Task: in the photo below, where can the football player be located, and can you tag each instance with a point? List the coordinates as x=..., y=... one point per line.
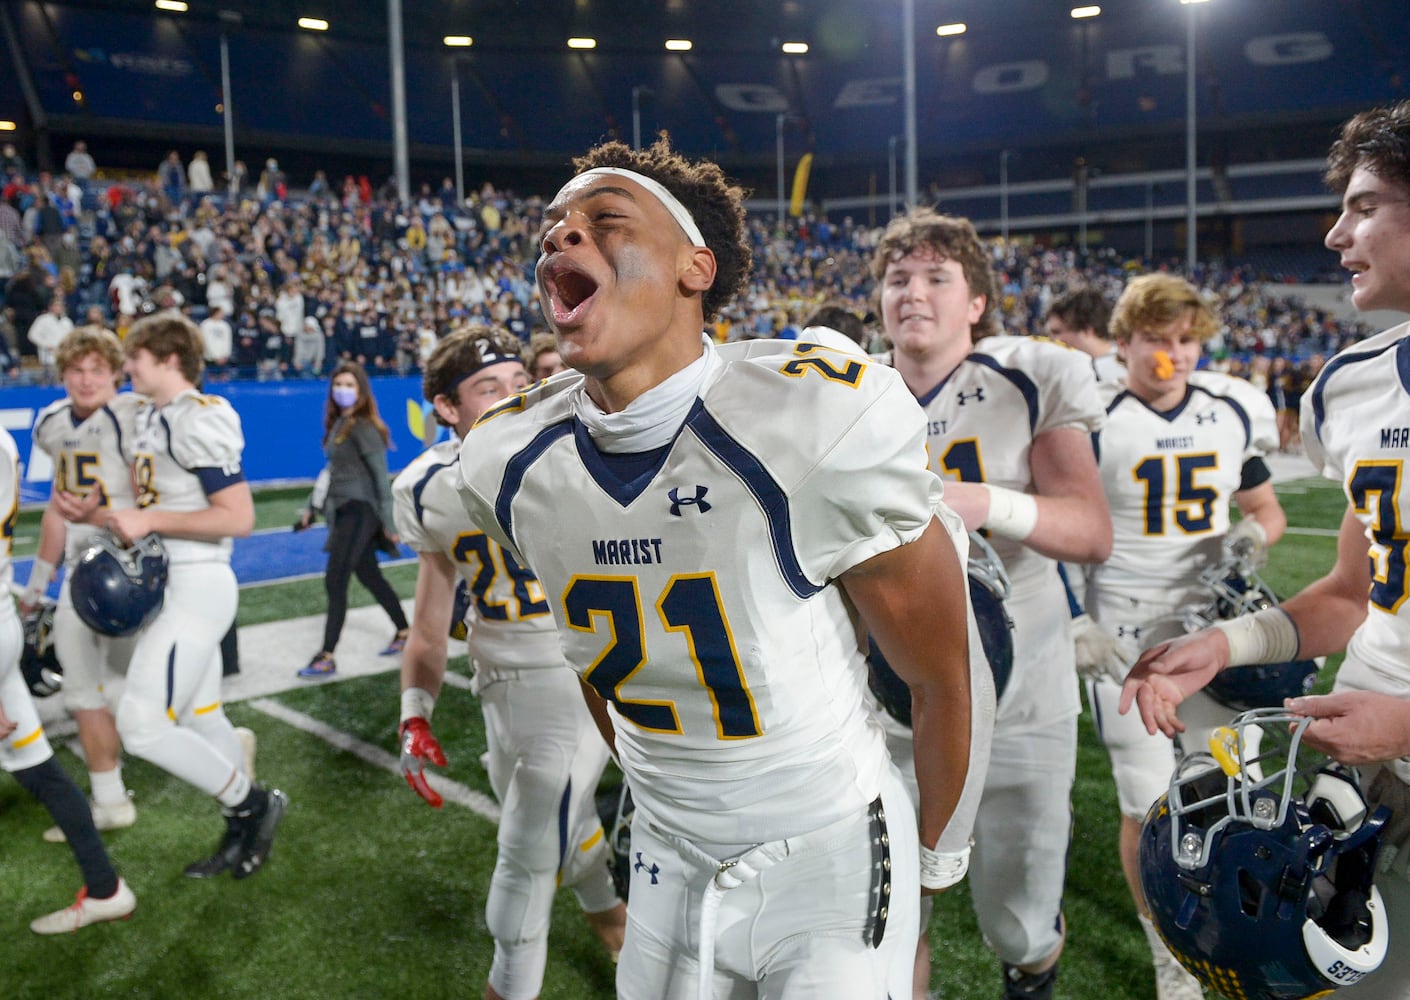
x=702, y=520
x=1172, y=456
x=1354, y=427
x=1009, y=425
x=84, y=434
x=191, y=492
x=1079, y=319
x=545, y=753
x=25, y=751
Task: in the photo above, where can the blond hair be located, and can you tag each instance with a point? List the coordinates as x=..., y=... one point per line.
x=1153, y=301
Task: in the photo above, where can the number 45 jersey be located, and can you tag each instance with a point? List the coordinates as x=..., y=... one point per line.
x=696, y=591
x=1356, y=430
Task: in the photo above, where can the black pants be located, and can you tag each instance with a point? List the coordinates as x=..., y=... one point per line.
x=352, y=549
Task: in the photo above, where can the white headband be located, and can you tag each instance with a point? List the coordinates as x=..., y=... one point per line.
x=672, y=204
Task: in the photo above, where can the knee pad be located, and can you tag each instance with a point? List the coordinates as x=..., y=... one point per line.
x=519, y=902
x=140, y=723
x=517, y=970
x=82, y=660
x=1142, y=774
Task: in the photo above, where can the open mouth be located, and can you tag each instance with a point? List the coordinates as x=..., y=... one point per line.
x=569, y=291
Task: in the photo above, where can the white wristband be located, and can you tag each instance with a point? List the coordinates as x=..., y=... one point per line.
x=942, y=869
x=1267, y=636
x=417, y=703
x=39, y=576
x=1012, y=514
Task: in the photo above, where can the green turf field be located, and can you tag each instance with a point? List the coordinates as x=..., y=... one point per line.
x=371, y=894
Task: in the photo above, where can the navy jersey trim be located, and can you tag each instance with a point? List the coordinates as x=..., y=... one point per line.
x=214, y=479
x=1255, y=473
x=1319, y=390
x=518, y=467
x=773, y=502
x=1020, y=381
x=421, y=485
x=624, y=476
x=117, y=428
x=1402, y=362
x=1238, y=409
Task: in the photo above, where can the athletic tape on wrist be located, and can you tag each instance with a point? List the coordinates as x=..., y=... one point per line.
x=39, y=576
x=417, y=703
x=942, y=869
x=1267, y=636
x=1012, y=514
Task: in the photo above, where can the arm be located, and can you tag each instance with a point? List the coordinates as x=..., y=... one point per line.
x=1261, y=504
x=53, y=530
x=423, y=670
x=1323, y=617
x=597, y=708
x=231, y=514
x=913, y=600
x=374, y=456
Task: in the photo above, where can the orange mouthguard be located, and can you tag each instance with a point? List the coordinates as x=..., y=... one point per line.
x=1164, y=367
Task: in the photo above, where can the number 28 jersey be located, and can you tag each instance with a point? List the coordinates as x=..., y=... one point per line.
x=510, y=622
x=1356, y=430
x=697, y=593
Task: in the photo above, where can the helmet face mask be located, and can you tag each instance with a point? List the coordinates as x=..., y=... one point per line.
x=988, y=589
x=117, y=590
x=1258, y=873
x=39, y=663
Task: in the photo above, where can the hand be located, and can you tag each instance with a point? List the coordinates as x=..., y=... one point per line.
x=418, y=745
x=1167, y=674
x=78, y=509
x=1356, y=727
x=305, y=520
x=130, y=524
x=1247, y=541
x=970, y=501
x=1100, y=655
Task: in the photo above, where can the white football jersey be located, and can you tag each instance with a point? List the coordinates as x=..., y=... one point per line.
x=983, y=419
x=90, y=454
x=510, y=622
x=694, y=587
x=183, y=452
x=9, y=510
x=1169, y=477
x=1356, y=429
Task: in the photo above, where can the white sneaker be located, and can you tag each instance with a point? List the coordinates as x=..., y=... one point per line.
x=106, y=816
x=1172, y=982
x=248, y=742
x=87, y=911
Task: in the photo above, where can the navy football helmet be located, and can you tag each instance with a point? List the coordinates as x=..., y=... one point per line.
x=988, y=589
x=118, y=589
x=38, y=662
x=1259, y=874
x=1235, y=589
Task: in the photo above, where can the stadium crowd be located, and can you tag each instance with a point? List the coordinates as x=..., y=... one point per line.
x=286, y=284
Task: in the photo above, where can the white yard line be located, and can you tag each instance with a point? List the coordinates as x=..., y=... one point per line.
x=451, y=791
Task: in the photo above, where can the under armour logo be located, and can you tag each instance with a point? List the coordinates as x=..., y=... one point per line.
x=641, y=866
x=977, y=395
x=697, y=501
x=1210, y=417
x=1128, y=631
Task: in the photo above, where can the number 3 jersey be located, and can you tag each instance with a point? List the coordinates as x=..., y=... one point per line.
x=510, y=622
x=1169, y=477
x=89, y=454
x=181, y=454
x=1356, y=430
x=694, y=586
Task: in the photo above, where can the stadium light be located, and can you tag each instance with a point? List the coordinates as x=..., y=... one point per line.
x=795, y=48
x=458, y=41
x=947, y=30
x=1091, y=10
x=679, y=45
x=582, y=43
x=313, y=24
x=176, y=6
x=1188, y=2
x=8, y=126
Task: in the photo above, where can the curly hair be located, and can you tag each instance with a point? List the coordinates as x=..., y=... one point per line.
x=1378, y=140
x=82, y=341
x=950, y=238
x=1152, y=301
x=701, y=186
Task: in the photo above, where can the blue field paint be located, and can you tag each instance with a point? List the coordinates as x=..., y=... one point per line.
x=263, y=557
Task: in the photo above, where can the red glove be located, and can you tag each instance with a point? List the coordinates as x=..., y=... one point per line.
x=417, y=745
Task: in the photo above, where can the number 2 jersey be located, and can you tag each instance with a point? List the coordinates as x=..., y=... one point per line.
x=983, y=419
x=90, y=454
x=1356, y=430
x=696, y=590
x=1169, y=477
x=182, y=453
x=510, y=622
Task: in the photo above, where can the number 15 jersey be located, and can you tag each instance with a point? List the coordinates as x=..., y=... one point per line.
x=696, y=592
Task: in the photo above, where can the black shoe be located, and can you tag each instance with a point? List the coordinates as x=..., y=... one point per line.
x=225, y=855
x=1020, y=985
x=258, y=834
